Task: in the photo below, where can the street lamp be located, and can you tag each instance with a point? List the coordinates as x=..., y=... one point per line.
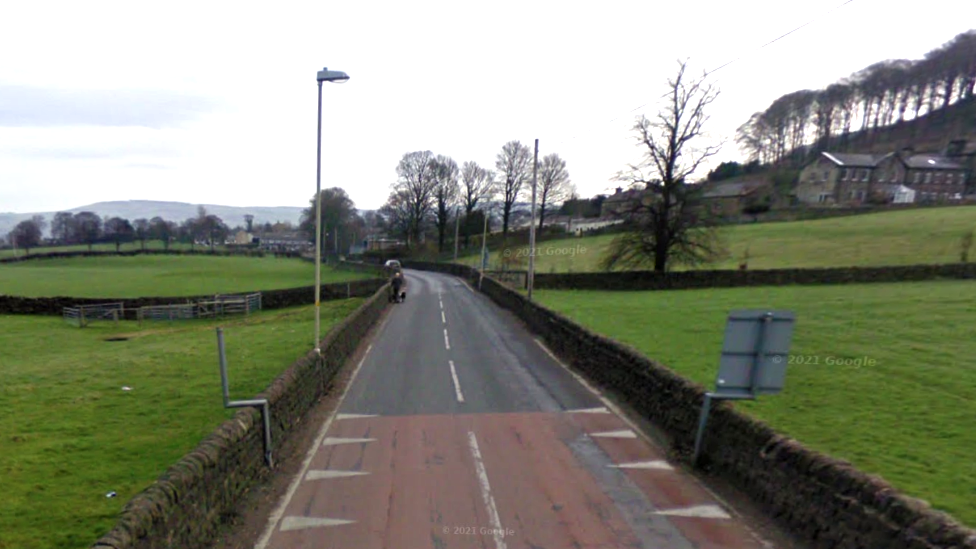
x=324, y=75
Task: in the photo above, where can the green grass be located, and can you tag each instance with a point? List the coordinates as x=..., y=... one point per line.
x=159, y=275
x=907, y=416
x=70, y=434
x=925, y=235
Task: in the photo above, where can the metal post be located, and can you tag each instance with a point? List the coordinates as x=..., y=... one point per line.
x=484, y=242
x=457, y=227
x=760, y=352
x=253, y=403
x=318, y=224
x=535, y=169
x=224, y=384
x=702, y=420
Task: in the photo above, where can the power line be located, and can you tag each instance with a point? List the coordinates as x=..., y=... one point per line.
x=707, y=73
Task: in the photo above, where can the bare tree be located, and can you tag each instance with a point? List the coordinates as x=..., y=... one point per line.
x=514, y=164
x=670, y=225
x=141, y=226
x=554, y=184
x=446, y=194
x=89, y=227
x=162, y=230
x=477, y=184
x=27, y=234
x=416, y=185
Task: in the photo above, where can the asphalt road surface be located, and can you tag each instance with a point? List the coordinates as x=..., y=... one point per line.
x=460, y=430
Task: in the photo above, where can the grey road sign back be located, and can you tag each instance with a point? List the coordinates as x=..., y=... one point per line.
x=755, y=352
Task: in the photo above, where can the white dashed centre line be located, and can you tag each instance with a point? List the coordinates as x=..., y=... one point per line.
x=443, y=318
x=447, y=342
x=457, y=384
x=496, y=524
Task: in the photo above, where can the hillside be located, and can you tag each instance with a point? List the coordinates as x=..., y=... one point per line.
x=928, y=133
x=919, y=235
x=172, y=211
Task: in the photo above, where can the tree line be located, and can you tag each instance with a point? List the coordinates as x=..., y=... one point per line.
x=433, y=192
x=88, y=228
x=882, y=94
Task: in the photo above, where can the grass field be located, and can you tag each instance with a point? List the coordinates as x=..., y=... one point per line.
x=71, y=434
x=159, y=276
x=907, y=416
x=930, y=235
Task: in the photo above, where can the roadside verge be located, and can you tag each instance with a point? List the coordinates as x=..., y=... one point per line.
x=188, y=504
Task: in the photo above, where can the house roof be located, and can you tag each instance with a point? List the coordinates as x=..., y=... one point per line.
x=627, y=195
x=895, y=188
x=931, y=162
x=730, y=190
x=855, y=160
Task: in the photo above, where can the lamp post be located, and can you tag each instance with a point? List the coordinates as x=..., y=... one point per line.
x=324, y=75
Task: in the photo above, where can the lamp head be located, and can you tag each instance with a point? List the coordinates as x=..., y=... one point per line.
x=325, y=75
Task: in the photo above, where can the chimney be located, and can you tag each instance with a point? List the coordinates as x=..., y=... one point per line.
x=618, y=191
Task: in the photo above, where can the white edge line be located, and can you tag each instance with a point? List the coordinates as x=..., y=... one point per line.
x=496, y=524
x=617, y=412
x=457, y=384
x=276, y=516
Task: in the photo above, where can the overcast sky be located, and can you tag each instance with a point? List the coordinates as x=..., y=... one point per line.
x=213, y=102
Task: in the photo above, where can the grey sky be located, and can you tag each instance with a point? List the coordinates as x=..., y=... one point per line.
x=215, y=102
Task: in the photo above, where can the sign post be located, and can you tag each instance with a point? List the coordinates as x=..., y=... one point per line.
x=754, y=358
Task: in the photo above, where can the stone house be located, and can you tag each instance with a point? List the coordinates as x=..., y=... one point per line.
x=838, y=178
x=933, y=177
x=728, y=199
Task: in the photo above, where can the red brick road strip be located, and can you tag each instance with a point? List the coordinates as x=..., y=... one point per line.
x=500, y=481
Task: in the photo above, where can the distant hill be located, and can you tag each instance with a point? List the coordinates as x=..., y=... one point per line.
x=172, y=211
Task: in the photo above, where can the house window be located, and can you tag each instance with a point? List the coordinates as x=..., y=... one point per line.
x=917, y=177
x=826, y=174
x=928, y=177
x=843, y=174
x=823, y=197
x=864, y=175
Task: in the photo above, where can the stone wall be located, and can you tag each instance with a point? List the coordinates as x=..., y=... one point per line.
x=129, y=253
x=678, y=280
x=820, y=499
x=270, y=299
x=186, y=506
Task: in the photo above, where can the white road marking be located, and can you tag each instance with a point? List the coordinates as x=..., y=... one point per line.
x=699, y=511
x=443, y=318
x=301, y=523
x=317, y=474
x=457, y=384
x=600, y=410
x=619, y=413
x=332, y=441
x=442, y=304
x=656, y=464
x=496, y=524
x=447, y=342
x=354, y=416
x=624, y=433
x=275, y=517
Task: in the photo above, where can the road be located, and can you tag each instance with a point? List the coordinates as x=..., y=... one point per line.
x=460, y=430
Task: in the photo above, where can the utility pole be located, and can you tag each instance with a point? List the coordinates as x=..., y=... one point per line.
x=535, y=171
x=457, y=227
x=484, y=242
